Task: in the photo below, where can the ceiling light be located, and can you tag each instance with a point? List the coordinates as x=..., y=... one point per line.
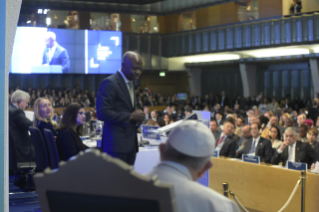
x=45, y=11
x=211, y=58
x=278, y=52
x=48, y=21
x=28, y=22
x=39, y=11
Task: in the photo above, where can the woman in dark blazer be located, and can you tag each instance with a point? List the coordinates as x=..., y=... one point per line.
x=43, y=113
x=68, y=141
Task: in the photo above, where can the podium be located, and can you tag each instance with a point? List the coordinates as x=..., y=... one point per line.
x=50, y=69
x=263, y=187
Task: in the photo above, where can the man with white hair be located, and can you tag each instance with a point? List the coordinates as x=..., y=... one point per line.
x=294, y=151
x=185, y=157
x=19, y=126
x=54, y=54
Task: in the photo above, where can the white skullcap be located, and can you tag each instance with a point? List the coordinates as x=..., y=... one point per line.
x=192, y=138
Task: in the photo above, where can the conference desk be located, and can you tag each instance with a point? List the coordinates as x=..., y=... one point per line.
x=263, y=187
x=258, y=187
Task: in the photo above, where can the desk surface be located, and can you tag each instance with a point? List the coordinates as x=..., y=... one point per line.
x=262, y=187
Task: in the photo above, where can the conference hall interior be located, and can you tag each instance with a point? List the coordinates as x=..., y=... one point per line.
x=159, y=106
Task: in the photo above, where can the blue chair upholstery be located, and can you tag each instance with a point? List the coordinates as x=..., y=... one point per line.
x=41, y=153
x=53, y=153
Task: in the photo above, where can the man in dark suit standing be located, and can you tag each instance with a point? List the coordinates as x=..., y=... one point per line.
x=54, y=54
x=116, y=106
x=294, y=151
x=257, y=145
x=226, y=144
x=19, y=126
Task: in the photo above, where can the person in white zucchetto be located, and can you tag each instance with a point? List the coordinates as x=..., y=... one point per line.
x=185, y=157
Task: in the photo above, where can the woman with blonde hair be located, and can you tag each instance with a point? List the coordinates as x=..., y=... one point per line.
x=43, y=113
x=284, y=119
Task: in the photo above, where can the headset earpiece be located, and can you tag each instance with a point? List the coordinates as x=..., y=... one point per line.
x=19, y=101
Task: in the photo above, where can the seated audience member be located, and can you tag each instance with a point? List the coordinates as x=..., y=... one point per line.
x=309, y=123
x=226, y=144
x=43, y=113
x=183, y=162
x=300, y=119
x=275, y=139
x=188, y=111
x=264, y=128
x=273, y=122
x=313, y=112
x=312, y=137
x=240, y=122
x=161, y=122
x=250, y=113
x=219, y=119
x=257, y=145
x=151, y=122
x=215, y=129
x=244, y=138
x=154, y=115
x=253, y=119
x=147, y=114
x=19, y=126
x=302, y=133
x=167, y=119
x=294, y=151
x=68, y=141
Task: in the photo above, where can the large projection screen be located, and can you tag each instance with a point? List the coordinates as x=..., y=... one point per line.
x=73, y=51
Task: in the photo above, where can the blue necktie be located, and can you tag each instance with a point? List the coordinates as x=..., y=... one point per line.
x=252, y=149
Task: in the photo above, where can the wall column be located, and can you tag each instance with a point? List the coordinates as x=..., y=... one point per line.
x=9, y=13
x=194, y=78
x=314, y=67
x=248, y=77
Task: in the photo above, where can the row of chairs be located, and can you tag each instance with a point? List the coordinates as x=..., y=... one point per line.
x=45, y=149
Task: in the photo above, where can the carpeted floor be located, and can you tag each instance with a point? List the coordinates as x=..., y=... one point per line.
x=20, y=201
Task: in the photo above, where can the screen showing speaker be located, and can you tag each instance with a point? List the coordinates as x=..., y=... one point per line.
x=44, y=50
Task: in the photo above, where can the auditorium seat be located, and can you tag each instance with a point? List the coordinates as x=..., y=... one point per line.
x=94, y=181
x=41, y=153
x=52, y=149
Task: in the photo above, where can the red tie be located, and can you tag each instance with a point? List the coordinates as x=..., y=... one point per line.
x=220, y=140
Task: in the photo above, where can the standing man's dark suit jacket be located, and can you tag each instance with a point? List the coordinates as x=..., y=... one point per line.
x=60, y=57
x=229, y=147
x=304, y=153
x=263, y=149
x=19, y=133
x=114, y=107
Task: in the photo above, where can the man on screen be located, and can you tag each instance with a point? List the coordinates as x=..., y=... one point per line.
x=54, y=54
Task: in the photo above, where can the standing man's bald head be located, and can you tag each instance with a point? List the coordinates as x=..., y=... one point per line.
x=50, y=39
x=132, y=65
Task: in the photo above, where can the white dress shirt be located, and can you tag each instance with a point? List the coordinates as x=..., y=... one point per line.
x=291, y=153
x=219, y=147
x=190, y=195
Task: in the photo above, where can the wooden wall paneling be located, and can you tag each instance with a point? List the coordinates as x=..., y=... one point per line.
x=126, y=23
x=270, y=8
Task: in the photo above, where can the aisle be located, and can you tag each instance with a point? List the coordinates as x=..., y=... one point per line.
x=28, y=203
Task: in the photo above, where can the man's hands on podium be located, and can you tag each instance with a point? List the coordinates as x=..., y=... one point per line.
x=138, y=116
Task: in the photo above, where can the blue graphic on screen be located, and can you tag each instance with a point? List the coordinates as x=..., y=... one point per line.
x=42, y=50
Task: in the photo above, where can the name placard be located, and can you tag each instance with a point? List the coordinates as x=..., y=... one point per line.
x=298, y=166
x=251, y=159
x=216, y=154
x=150, y=132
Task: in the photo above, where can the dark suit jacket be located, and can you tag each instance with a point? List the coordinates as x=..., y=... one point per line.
x=229, y=147
x=304, y=153
x=69, y=144
x=263, y=149
x=19, y=126
x=60, y=57
x=114, y=107
x=313, y=114
x=298, y=9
